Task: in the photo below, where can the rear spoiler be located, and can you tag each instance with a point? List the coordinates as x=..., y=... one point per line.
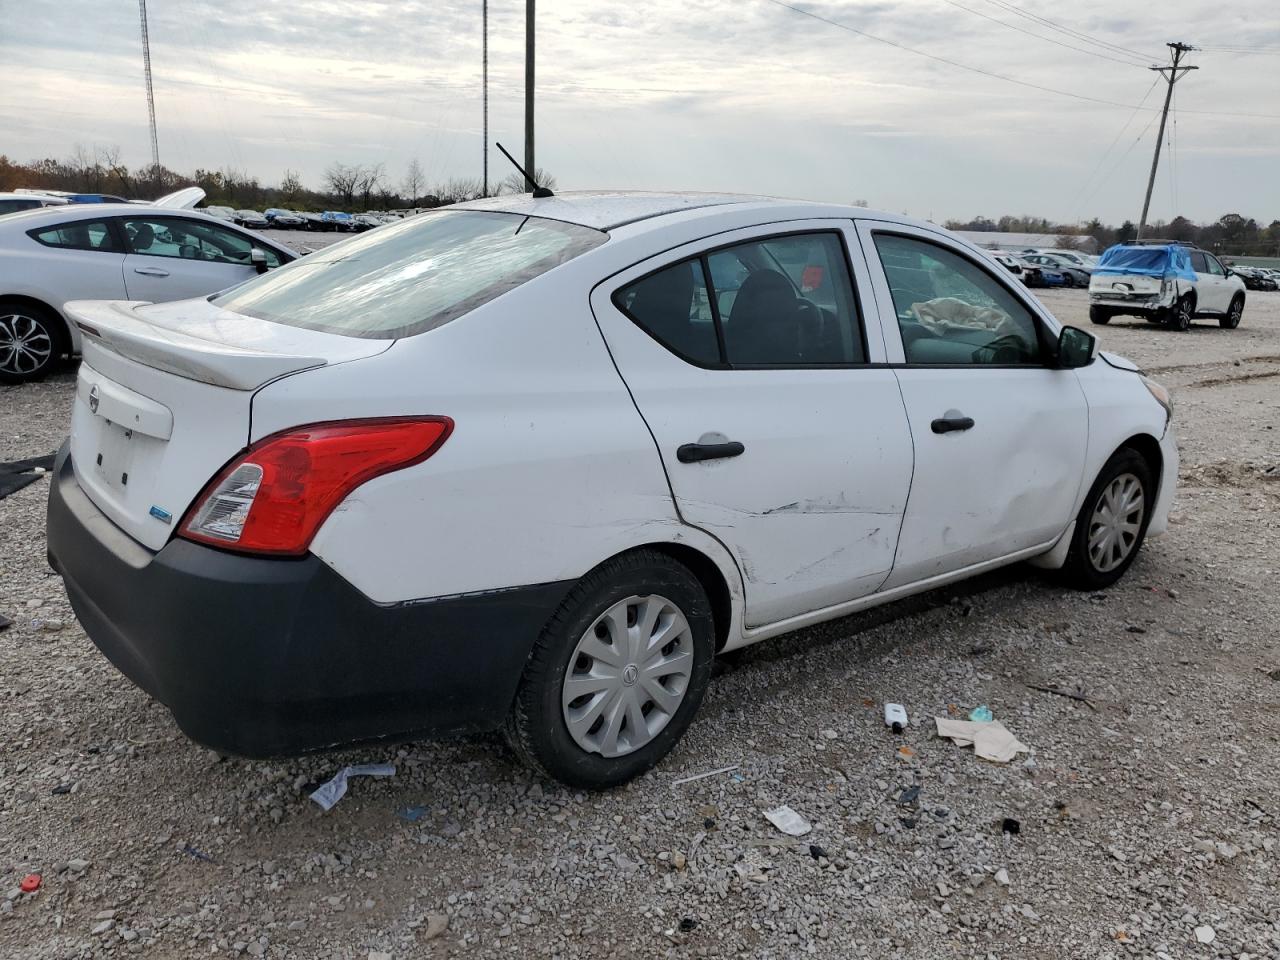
x=114, y=326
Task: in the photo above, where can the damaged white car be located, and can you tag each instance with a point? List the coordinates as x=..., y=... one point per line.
x=1165, y=282
x=530, y=464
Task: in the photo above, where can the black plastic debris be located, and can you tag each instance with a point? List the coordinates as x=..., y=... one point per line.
x=688, y=924
x=1011, y=827
x=709, y=823
x=16, y=475
x=909, y=795
x=908, y=822
x=817, y=852
x=5, y=622
x=61, y=789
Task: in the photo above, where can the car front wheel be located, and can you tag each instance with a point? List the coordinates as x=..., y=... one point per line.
x=1112, y=523
x=1234, y=313
x=30, y=342
x=616, y=675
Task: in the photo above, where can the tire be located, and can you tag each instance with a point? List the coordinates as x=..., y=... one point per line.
x=1099, y=315
x=1234, y=312
x=597, y=751
x=1095, y=560
x=32, y=340
x=1183, y=311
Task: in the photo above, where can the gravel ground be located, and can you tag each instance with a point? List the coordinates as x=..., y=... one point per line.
x=1146, y=814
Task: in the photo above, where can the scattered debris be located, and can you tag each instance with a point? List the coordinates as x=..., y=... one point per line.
x=1134, y=628
x=1078, y=694
x=981, y=714
x=909, y=795
x=1011, y=827
x=191, y=851
x=411, y=814
x=30, y=883
x=14, y=476
x=990, y=741
x=817, y=852
x=688, y=924
x=61, y=789
x=788, y=821
x=328, y=794
x=905, y=752
x=895, y=717
x=704, y=776
x=5, y=622
x=1206, y=934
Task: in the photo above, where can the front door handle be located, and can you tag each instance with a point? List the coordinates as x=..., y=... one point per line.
x=697, y=452
x=151, y=271
x=949, y=424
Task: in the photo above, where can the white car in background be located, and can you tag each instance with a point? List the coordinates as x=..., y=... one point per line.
x=145, y=252
x=15, y=202
x=532, y=463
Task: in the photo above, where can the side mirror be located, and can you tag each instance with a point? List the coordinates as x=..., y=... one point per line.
x=259, y=260
x=1076, y=348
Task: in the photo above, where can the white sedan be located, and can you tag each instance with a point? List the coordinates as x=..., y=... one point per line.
x=531, y=464
x=109, y=251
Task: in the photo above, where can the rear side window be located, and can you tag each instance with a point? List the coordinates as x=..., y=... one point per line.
x=782, y=301
x=13, y=205
x=1199, y=263
x=405, y=278
x=78, y=235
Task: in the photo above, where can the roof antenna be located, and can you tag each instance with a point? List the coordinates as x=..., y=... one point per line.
x=538, y=192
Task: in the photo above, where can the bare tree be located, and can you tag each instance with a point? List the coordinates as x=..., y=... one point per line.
x=414, y=182
x=516, y=183
x=369, y=181
x=341, y=180
x=290, y=187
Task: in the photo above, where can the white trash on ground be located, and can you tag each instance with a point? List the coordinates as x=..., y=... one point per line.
x=990, y=741
x=788, y=821
x=328, y=794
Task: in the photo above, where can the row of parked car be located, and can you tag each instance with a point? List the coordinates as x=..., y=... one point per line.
x=330, y=220
x=1257, y=278
x=1047, y=268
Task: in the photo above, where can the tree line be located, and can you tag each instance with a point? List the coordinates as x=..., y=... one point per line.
x=1231, y=234
x=350, y=187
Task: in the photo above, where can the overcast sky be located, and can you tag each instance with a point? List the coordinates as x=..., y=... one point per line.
x=738, y=95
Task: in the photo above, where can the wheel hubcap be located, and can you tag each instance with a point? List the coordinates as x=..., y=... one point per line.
x=25, y=344
x=628, y=675
x=1117, y=519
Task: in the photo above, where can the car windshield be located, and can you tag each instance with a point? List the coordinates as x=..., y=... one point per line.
x=411, y=276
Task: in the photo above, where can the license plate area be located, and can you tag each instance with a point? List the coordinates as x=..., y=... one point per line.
x=117, y=447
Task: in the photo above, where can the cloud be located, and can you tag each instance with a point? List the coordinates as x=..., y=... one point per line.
x=665, y=94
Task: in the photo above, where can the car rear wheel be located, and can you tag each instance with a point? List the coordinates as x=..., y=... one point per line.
x=1099, y=315
x=1180, y=319
x=31, y=341
x=1234, y=313
x=1112, y=523
x=616, y=675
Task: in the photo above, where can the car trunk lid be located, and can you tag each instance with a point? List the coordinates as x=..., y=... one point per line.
x=164, y=399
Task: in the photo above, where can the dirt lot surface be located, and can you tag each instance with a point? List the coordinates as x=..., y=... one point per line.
x=1149, y=817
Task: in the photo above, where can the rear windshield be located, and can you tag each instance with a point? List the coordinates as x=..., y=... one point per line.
x=1136, y=258
x=410, y=276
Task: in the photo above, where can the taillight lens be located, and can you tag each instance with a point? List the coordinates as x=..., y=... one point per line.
x=274, y=497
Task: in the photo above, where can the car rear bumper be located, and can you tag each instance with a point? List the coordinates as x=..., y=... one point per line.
x=268, y=657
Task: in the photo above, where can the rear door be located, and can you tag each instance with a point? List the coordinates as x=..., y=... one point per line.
x=747, y=356
x=999, y=434
x=173, y=257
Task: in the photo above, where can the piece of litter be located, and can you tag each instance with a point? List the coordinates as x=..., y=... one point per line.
x=990, y=741
x=5, y=622
x=905, y=752
x=909, y=796
x=1011, y=827
x=788, y=821
x=191, y=851
x=703, y=776
x=981, y=714
x=1206, y=934
x=817, y=852
x=328, y=794
x=895, y=717
x=412, y=814
x=30, y=883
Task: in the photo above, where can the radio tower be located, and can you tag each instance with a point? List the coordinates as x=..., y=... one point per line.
x=151, y=96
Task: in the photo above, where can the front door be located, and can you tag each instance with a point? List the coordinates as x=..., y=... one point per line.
x=999, y=433
x=748, y=360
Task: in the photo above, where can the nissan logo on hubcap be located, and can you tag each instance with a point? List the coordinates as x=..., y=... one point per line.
x=631, y=674
x=93, y=399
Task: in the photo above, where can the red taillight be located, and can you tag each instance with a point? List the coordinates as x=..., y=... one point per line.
x=274, y=497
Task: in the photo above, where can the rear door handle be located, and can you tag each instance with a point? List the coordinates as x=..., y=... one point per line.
x=151, y=271
x=949, y=424
x=697, y=452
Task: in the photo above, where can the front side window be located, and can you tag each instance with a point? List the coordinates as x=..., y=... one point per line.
x=776, y=302
x=79, y=235
x=191, y=240
x=412, y=276
x=1214, y=266
x=951, y=311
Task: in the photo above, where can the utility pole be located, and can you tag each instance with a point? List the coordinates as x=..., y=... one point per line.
x=530, y=169
x=1172, y=75
x=484, y=60
x=151, y=97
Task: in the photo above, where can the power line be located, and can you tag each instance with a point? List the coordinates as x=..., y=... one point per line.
x=1130, y=62
x=1172, y=74
x=1120, y=162
x=947, y=60
x=1107, y=153
x=1070, y=31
